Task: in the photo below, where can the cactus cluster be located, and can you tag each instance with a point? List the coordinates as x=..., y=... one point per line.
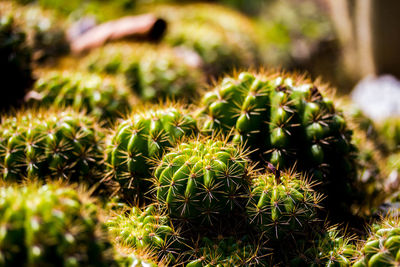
x=59, y=145
x=140, y=138
x=51, y=225
x=152, y=72
x=15, y=63
x=286, y=121
x=102, y=97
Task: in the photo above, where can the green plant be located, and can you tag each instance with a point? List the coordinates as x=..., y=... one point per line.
x=140, y=138
x=41, y=144
x=51, y=225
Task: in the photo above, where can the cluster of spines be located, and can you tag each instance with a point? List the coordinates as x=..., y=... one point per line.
x=282, y=204
x=202, y=180
x=59, y=145
x=141, y=138
x=51, y=225
x=148, y=230
x=92, y=93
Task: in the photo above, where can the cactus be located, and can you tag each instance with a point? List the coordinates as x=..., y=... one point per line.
x=225, y=252
x=382, y=248
x=40, y=144
x=328, y=248
x=202, y=181
x=146, y=230
x=282, y=204
x=286, y=121
x=98, y=96
x=140, y=138
x=152, y=72
x=51, y=225
x=15, y=63
x=133, y=260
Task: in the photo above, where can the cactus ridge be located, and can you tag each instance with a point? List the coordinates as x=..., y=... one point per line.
x=282, y=205
x=65, y=145
x=200, y=180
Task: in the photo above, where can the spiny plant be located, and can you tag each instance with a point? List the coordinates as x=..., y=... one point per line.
x=282, y=204
x=51, y=225
x=202, y=181
x=147, y=229
x=140, y=138
x=285, y=119
x=56, y=144
x=225, y=252
x=134, y=260
x=382, y=247
x=151, y=71
x=327, y=248
x=15, y=63
x=102, y=97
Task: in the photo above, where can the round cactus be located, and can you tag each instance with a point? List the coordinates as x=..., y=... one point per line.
x=65, y=145
x=200, y=181
x=15, y=63
x=382, y=248
x=51, y=226
x=282, y=204
x=329, y=248
x=142, y=137
x=98, y=96
x=286, y=122
x=224, y=252
x=146, y=230
x=153, y=72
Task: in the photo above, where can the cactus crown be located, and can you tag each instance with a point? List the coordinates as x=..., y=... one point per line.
x=202, y=179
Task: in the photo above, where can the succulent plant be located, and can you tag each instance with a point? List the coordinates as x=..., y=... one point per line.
x=382, y=247
x=152, y=72
x=41, y=144
x=286, y=121
x=140, y=138
x=15, y=63
x=101, y=97
x=328, y=248
x=282, y=204
x=225, y=252
x=146, y=229
x=51, y=225
x=133, y=260
x=201, y=181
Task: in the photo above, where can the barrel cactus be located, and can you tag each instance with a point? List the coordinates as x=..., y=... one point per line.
x=140, y=138
x=152, y=72
x=15, y=63
x=282, y=204
x=286, y=120
x=51, y=225
x=146, y=230
x=101, y=97
x=202, y=181
x=60, y=145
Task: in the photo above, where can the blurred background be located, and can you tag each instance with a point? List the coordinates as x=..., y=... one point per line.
x=342, y=42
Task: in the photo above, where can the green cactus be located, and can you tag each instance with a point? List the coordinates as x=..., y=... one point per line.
x=282, y=204
x=225, y=252
x=101, y=97
x=200, y=181
x=40, y=144
x=51, y=226
x=329, y=248
x=146, y=230
x=142, y=137
x=15, y=63
x=152, y=72
x=286, y=121
x=382, y=248
x=133, y=260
